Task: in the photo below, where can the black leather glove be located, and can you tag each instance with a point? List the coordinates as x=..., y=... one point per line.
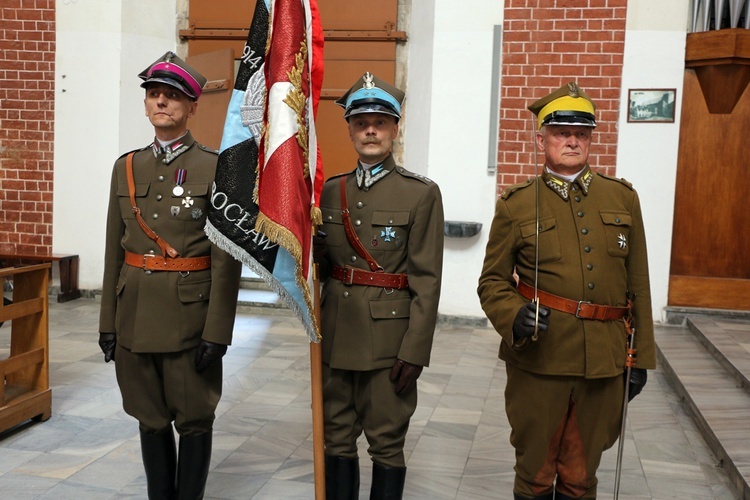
x=207, y=353
x=638, y=377
x=523, y=325
x=405, y=376
x=107, y=343
x=320, y=247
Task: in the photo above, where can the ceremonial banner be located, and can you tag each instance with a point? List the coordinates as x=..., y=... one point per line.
x=263, y=202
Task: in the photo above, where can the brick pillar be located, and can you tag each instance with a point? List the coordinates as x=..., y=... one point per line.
x=27, y=104
x=547, y=43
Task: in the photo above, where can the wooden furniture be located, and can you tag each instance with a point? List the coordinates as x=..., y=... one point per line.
x=24, y=375
x=67, y=265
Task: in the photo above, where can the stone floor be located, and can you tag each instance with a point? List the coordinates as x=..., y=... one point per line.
x=457, y=446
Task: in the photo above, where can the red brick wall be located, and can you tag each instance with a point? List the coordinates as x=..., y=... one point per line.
x=546, y=44
x=27, y=105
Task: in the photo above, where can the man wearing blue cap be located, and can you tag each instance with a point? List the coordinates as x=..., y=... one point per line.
x=574, y=240
x=381, y=260
x=168, y=295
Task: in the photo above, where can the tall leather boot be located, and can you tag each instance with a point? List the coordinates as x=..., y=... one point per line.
x=160, y=461
x=560, y=496
x=387, y=482
x=192, y=465
x=342, y=478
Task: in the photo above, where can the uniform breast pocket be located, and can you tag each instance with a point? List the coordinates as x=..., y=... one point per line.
x=391, y=228
x=333, y=226
x=549, y=240
x=191, y=204
x=126, y=208
x=617, y=230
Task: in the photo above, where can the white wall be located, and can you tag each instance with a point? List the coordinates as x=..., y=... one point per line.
x=647, y=152
x=446, y=134
x=102, y=45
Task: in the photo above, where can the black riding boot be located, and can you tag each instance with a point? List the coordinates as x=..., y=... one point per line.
x=387, y=482
x=160, y=461
x=342, y=478
x=548, y=496
x=560, y=496
x=192, y=465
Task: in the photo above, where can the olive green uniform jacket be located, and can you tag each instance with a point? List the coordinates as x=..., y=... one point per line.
x=591, y=248
x=164, y=311
x=399, y=220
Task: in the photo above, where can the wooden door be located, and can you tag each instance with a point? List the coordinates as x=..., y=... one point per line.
x=218, y=68
x=710, y=244
x=354, y=43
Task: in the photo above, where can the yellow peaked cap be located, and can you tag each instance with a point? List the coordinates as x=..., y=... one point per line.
x=565, y=103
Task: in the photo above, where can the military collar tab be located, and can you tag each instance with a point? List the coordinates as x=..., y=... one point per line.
x=367, y=177
x=173, y=150
x=562, y=186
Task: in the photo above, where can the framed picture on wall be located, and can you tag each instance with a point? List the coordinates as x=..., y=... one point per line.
x=651, y=105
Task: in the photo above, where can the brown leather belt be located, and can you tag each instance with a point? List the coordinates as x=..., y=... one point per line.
x=152, y=262
x=578, y=308
x=353, y=276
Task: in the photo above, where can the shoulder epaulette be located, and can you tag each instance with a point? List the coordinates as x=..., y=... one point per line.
x=134, y=151
x=617, y=179
x=515, y=187
x=412, y=175
x=336, y=176
x=207, y=149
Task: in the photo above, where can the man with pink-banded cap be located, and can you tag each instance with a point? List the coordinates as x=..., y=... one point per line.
x=169, y=295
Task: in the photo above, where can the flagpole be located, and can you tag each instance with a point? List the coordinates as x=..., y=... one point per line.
x=316, y=383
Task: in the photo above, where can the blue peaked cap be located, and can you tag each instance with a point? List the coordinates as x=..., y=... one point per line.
x=370, y=94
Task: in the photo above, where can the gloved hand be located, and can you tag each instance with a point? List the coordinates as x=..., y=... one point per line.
x=207, y=353
x=405, y=376
x=320, y=247
x=638, y=377
x=107, y=343
x=523, y=325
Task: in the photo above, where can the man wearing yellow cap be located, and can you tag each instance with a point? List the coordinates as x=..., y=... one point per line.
x=168, y=296
x=575, y=240
x=382, y=266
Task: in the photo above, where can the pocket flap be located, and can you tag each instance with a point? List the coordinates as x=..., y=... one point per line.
x=331, y=215
x=616, y=218
x=193, y=190
x=195, y=291
x=141, y=189
x=390, y=217
x=390, y=308
x=529, y=228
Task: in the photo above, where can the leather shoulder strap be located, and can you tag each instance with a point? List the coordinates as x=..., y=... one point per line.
x=351, y=235
x=166, y=248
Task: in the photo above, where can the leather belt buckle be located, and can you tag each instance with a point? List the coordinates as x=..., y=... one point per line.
x=143, y=265
x=348, y=276
x=578, y=309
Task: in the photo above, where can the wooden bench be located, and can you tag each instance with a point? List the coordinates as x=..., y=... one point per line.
x=24, y=375
x=67, y=266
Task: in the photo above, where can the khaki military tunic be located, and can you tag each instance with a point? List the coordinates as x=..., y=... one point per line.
x=591, y=248
x=166, y=311
x=399, y=219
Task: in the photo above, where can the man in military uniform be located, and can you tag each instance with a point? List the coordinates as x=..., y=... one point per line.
x=379, y=301
x=169, y=295
x=565, y=362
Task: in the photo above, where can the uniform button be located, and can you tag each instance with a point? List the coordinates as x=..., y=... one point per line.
x=585, y=231
x=151, y=252
x=587, y=249
x=354, y=258
x=200, y=295
x=189, y=191
x=346, y=294
x=155, y=216
x=357, y=222
x=578, y=198
x=158, y=197
x=148, y=271
x=360, y=204
x=330, y=217
x=591, y=286
x=390, y=221
x=393, y=313
x=617, y=220
x=161, y=178
x=580, y=214
x=589, y=267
